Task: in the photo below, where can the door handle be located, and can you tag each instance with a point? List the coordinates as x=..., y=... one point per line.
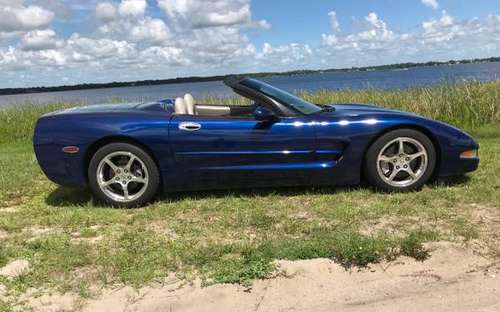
x=189, y=126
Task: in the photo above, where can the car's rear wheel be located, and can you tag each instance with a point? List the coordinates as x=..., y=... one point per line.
x=400, y=161
x=123, y=175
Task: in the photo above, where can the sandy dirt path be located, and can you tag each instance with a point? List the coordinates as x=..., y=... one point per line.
x=453, y=279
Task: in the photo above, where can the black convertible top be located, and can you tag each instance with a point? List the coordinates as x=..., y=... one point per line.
x=233, y=81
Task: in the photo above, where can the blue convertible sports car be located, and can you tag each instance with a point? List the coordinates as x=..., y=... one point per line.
x=126, y=152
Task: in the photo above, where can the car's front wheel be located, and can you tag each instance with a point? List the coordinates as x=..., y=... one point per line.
x=401, y=160
x=123, y=175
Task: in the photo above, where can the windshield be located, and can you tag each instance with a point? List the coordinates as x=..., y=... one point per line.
x=283, y=97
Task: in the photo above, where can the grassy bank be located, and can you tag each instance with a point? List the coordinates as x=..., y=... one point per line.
x=75, y=245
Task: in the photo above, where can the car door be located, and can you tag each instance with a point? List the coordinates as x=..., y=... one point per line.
x=236, y=151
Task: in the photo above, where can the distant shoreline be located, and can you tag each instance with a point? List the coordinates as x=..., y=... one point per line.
x=88, y=86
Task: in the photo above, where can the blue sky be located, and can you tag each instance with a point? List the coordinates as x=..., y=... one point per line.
x=304, y=19
x=54, y=42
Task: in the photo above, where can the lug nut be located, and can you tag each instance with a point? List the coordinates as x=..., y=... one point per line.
x=407, y=158
x=405, y=166
x=397, y=167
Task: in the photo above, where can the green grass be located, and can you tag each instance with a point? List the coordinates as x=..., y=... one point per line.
x=17, y=123
x=74, y=243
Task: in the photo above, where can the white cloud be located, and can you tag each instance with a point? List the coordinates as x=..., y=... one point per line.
x=132, y=8
x=262, y=24
x=377, y=29
x=164, y=55
x=61, y=9
x=433, y=26
x=375, y=36
x=334, y=23
x=19, y=18
x=38, y=40
x=431, y=4
x=131, y=24
x=208, y=36
x=51, y=58
x=290, y=56
x=8, y=57
x=202, y=13
x=106, y=11
x=216, y=46
x=442, y=38
x=88, y=49
x=150, y=30
x=329, y=40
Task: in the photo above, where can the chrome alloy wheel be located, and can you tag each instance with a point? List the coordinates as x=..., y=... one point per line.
x=122, y=176
x=402, y=162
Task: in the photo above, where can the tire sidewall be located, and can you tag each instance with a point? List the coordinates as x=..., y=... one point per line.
x=370, y=166
x=154, y=178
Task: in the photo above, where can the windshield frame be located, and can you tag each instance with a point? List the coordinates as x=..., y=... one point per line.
x=283, y=97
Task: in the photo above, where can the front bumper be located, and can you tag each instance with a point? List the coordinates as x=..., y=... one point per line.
x=468, y=165
x=454, y=165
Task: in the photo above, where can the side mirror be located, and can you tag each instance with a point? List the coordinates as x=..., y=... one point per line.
x=263, y=114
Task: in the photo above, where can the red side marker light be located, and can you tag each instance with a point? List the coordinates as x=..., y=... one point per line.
x=71, y=149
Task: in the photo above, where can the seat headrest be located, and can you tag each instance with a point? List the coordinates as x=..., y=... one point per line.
x=180, y=106
x=189, y=100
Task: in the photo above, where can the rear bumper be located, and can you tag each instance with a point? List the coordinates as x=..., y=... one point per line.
x=61, y=168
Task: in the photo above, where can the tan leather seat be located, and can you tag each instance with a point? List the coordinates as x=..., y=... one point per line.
x=180, y=106
x=190, y=106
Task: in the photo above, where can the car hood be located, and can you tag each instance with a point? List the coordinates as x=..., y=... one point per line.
x=353, y=110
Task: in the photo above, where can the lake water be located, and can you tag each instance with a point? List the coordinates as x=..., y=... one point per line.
x=381, y=79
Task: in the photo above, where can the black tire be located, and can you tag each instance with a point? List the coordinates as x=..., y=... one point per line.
x=151, y=174
x=373, y=172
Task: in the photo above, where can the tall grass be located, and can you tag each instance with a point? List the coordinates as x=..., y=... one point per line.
x=467, y=105
x=17, y=123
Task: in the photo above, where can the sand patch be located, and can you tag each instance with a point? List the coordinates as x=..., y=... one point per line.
x=9, y=209
x=161, y=227
x=487, y=226
x=38, y=232
x=88, y=240
x=55, y=303
x=453, y=279
x=15, y=268
x=3, y=235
